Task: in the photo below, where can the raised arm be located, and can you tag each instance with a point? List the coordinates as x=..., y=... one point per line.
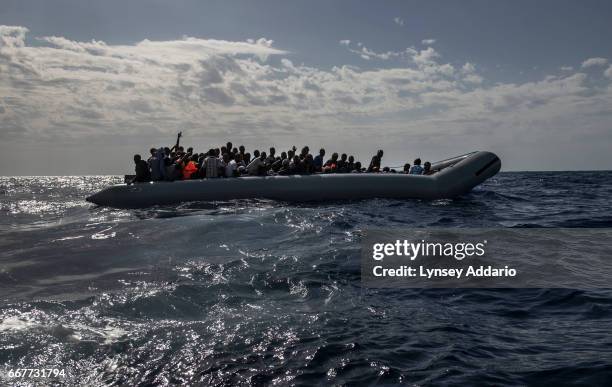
x=178, y=139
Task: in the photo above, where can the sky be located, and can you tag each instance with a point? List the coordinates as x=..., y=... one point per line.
x=84, y=85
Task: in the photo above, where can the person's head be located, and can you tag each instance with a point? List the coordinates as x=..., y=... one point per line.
x=417, y=162
x=229, y=146
x=283, y=155
x=272, y=151
x=322, y=152
x=234, y=150
x=427, y=166
x=406, y=167
x=334, y=156
x=217, y=152
x=247, y=156
x=181, y=149
x=380, y=153
x=305, y=151
x=172, y=155
x=137, y=159
x=351, y=159
x=263, y=156
x=226, y=157
x=296, y=159
x=343, y=157
x=166, y=151
x=223, y=150
x=386, y=169
x=212, y=152
x=241, y=149
x=290, y=154
x=358, y=166
x=194, y=158
x=190, y=150
x=153, y=151
x=309, y=158
x=256, y=153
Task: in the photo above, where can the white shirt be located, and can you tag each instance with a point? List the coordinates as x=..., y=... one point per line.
x=230, y=168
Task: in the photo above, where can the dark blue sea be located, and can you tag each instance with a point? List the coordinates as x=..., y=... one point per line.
x=263, y=292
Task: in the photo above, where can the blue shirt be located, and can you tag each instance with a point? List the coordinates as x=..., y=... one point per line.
x=416, y=170
x=318, y=161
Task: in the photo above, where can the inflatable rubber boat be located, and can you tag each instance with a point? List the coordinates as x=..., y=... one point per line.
x=453, y=177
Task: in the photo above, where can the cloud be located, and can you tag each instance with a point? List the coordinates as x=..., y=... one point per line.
x=608, y=72
x=367, y=54
x=60, y=89
x=427, y=56
x=468, y=68
x=428, y=42
x=12, y=36
x=399, y=21
x=566, y=68
x=594, y=62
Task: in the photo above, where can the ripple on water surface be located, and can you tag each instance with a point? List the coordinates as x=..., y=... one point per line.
x=266, y=292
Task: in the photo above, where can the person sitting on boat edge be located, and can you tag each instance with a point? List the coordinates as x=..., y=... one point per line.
x=343, y=164
x=271, y=157
x=308, y=164
x=318, y=160
x=143, y=174
x=406, y=170
x=427, y=169
x=257, y=166
x=191, y=168
x=416, y=168
x=211, y=166
x=350, y=166
x=376, y=160
x=241, y=151
x=296, y=166
x=230, y=167
x=331, y=165
x=155, y=163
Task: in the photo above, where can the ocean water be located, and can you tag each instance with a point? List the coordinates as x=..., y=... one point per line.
x=262, y=292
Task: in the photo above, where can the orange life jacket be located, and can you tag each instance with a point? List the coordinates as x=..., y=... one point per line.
x=189, y=169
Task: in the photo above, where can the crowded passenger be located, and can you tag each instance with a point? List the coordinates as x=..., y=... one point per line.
x=211, y=165
x=155, y=162
x=142, y=170
x=230, y=166
x=257, y=166
x=318, y=160
x=427, y=168
x=331, y=165
x=416, y=168
x=176, y=163
x=351, y=164
x=375, y=163
x=190, y=168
